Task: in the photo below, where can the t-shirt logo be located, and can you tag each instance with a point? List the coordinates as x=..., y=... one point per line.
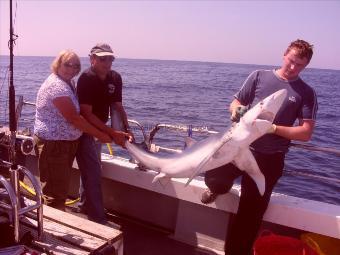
x=292, y=98
x=111, y=88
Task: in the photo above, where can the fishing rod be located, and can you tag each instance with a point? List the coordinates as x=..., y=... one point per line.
x=11, y=91
x=11, y=104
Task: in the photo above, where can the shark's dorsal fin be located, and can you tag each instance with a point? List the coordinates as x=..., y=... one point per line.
x=189, y=141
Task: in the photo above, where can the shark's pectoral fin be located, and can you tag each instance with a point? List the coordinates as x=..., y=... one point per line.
x=260, y=181
x=245, y=161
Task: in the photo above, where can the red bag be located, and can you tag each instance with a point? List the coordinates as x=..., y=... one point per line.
x=272, y=244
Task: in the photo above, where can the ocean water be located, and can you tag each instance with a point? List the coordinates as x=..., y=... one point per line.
x=198, y=94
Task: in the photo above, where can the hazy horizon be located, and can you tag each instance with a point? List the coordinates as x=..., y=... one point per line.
x=240, y=32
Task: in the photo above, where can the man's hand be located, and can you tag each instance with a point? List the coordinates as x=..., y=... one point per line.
x=119, y=137
x=131, y=137
x=238, y=112
x=104, y=138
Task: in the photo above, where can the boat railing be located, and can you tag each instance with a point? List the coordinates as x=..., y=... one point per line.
x=15, y=206
x=152, y=147
x=204, y=130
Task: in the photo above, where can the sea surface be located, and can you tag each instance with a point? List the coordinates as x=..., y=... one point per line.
x=198, y=94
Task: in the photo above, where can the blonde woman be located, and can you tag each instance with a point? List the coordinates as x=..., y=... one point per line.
x=57, y=127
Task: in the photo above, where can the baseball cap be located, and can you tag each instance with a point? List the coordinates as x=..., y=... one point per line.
x=102, y=49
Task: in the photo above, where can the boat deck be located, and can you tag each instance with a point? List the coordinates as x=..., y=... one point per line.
x=71, y=233
x=140, y=240
x=65, y=233
x=144, y=239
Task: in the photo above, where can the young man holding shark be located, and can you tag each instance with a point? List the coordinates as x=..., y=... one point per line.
x=270, y=149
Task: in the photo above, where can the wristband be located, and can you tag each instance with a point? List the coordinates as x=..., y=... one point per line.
x=274, y=128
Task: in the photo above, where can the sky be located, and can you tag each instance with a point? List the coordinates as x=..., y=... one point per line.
x=248, y=32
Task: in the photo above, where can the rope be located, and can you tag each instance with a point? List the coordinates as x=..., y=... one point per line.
x=110, y=148
x=32, y=192
x=72, y=201
x=28, y=188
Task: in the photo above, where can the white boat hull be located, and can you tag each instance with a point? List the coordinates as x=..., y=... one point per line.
x=177, y=209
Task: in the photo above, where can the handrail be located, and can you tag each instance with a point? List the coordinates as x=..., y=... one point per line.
x=184, y=128
x=29, y=103
x=140, y=127
x=15, y=207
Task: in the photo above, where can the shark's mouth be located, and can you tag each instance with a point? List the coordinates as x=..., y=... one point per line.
x=266, y=115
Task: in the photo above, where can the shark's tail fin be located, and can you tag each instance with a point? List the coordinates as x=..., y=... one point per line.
x=260, y=181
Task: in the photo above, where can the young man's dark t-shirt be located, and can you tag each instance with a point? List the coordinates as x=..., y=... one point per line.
x=99, y=94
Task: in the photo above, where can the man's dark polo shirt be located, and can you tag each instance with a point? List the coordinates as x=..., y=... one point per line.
x=99, y=94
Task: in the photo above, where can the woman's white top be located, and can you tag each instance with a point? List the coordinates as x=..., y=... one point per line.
x=49, y=122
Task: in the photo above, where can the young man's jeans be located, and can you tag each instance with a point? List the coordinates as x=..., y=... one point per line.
x=89, y=163
x=252, y=205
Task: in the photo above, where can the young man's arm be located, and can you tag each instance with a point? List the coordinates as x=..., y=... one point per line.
x=303, y=132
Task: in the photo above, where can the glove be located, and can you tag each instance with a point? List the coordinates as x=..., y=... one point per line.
x=238, y=112
x=272, y=129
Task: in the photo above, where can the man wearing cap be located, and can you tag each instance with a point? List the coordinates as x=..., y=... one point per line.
x=98, y=88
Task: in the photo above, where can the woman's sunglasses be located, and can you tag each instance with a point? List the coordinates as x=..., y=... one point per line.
x=71, y=65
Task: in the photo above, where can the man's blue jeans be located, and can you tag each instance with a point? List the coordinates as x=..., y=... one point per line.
x=89, y=163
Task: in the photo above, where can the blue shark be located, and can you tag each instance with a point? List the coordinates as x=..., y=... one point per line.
x=218, y=149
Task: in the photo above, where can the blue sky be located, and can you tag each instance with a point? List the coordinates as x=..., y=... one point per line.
x=252, y=32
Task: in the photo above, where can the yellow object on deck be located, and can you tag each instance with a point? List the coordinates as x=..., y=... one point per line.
x=28, y=188
x=32, y=192
x=110, y=148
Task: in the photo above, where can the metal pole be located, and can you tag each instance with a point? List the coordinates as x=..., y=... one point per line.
x=13, y=128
